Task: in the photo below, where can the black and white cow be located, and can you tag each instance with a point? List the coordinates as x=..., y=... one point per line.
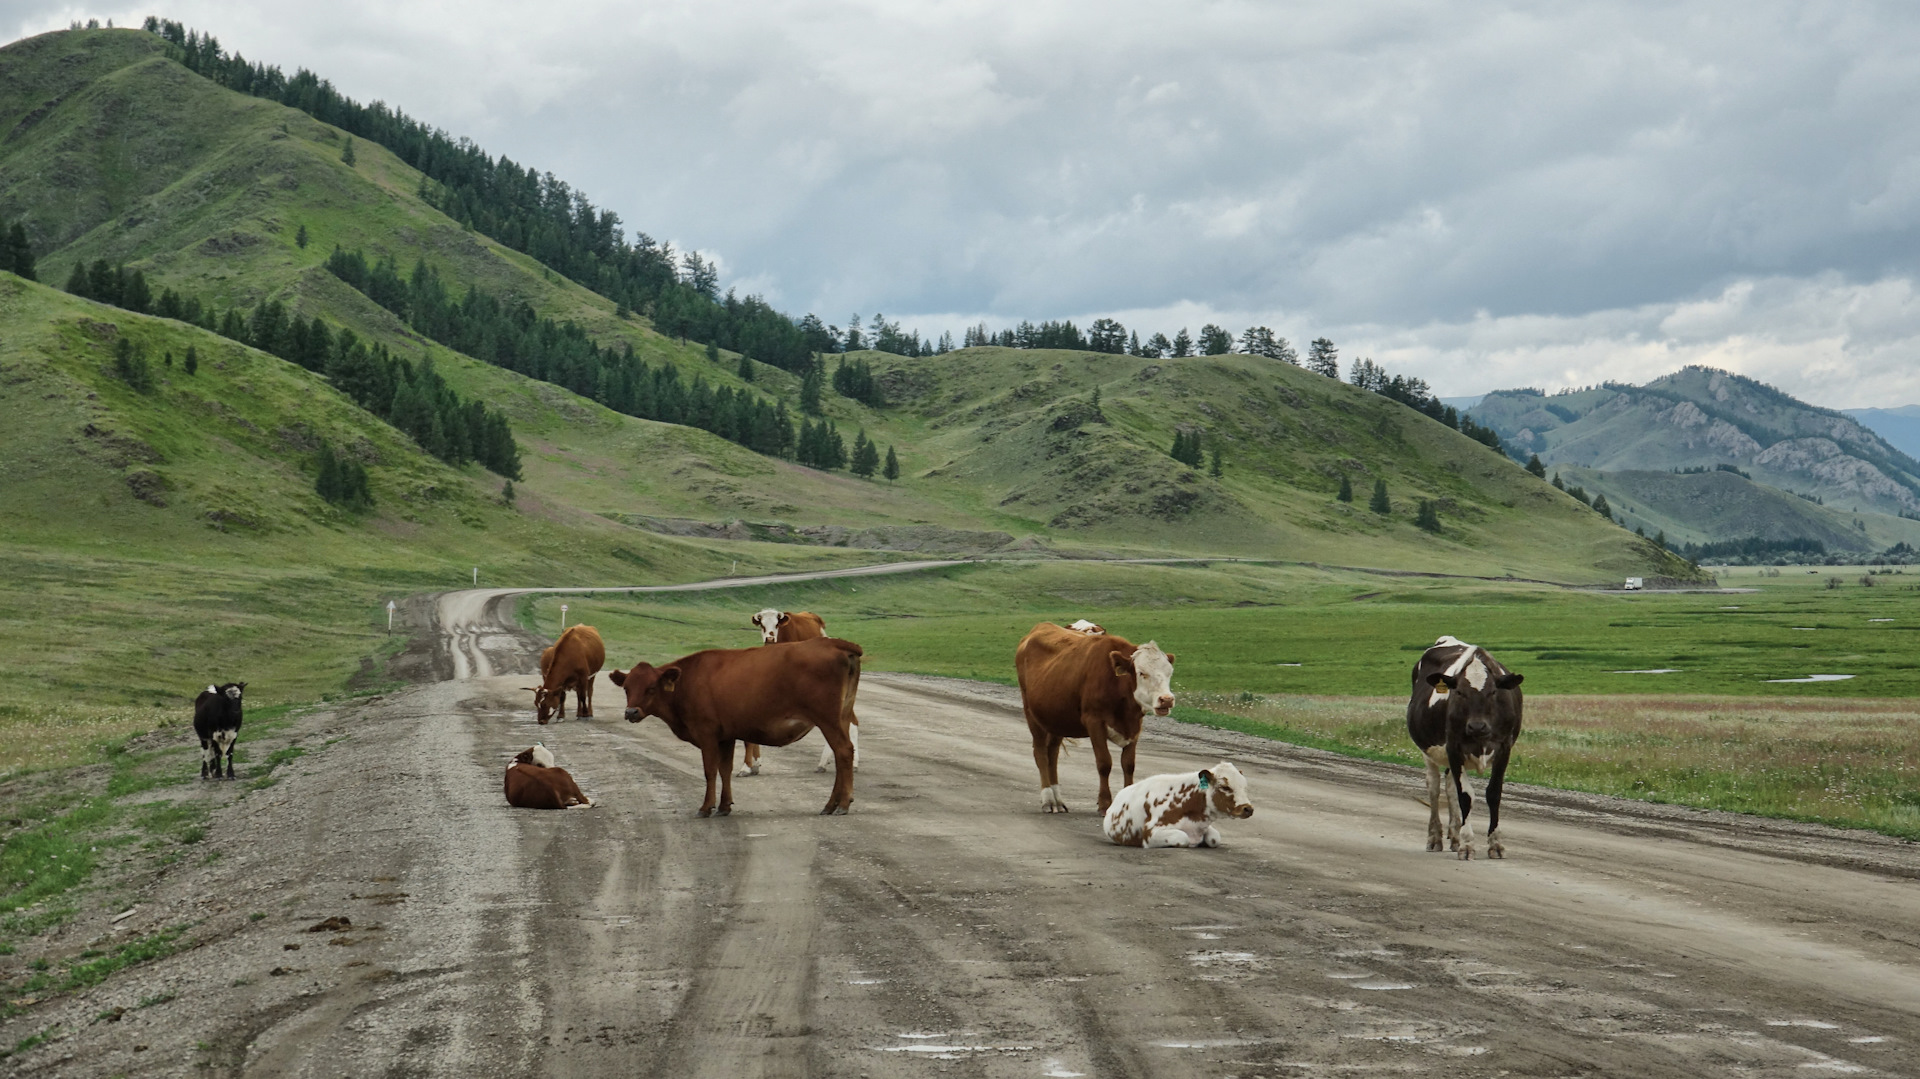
x=216, y=719
x=1464, y=713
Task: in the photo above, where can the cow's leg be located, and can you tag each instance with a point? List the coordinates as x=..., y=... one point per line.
x=1102, y=759
x=1436, y=770
x=725, y=750
x=583, y=697
x=1046, y=757
x=206, y=748
x=749, y=760
x=1211, y=838
x=230, y=738
x=1166, y=835
x=1456, y=764
x=841, y=743
x=1495, y=781
x=1126, y=762
x=709, y=761
x=826, y=752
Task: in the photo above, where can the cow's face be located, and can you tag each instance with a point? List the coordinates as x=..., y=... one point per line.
x=546, y=700
x=1152, y=673
x=768, y=622
x=234, y=690
x=536, y=753
x=1088, y=628
x=1473, y=702
x=1227, y=791
x=649, y=689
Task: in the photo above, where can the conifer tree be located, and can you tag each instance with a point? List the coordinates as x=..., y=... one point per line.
x=192, y=362
x=866, y=456
x=300, y=238
x=77, y=280
x=506, y=493
x=1534, y=466
x=1378, y=503
x=1556, y=482
x=1323, y=358
x=1214, y=470
x=1428, y=518
x=810, y=386
x=1182, y=343
x=16, y=252
x=746, y=368
x=327, y=483
x=1601, y=507
x=892, y=470
x=131, y=365
x=346, y=154
x=713, y=352
x=1346, y=489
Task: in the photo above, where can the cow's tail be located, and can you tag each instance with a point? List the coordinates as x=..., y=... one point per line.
x=852, y=685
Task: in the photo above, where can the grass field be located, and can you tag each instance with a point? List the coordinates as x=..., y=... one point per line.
x=1717, y=733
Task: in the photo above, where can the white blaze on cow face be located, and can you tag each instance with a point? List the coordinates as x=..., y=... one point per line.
x=233, y=692
x=1229, y=796
x=542, y=756
x=1153, y=679
x=769, y=623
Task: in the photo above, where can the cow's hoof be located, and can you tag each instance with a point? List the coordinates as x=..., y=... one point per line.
x=1433, y=845
x=1466, y=854
x=839, y=811
x=745, y=772
x=707, y=812
x=723, y=811
x=1497, y=851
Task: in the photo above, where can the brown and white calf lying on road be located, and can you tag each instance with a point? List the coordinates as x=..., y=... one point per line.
x=534, y=783
x=1178, y=810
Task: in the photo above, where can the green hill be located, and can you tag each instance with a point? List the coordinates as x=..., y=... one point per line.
x=1701, y=417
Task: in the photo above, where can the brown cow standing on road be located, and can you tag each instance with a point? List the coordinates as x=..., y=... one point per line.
x=772, y=695
x=786, y=627
x=534, y=783
x=569, y=663
x=1076, y=685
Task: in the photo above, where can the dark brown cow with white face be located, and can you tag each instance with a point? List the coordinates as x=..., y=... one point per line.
x=772, y=695
x=534, y=783
x=1098, y=687
x=786, y=627
x=1464, y=713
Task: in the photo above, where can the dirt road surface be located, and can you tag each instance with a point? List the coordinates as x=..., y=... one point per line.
x=947, y=927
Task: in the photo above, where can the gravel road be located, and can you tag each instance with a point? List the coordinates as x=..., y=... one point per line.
x=948, y=927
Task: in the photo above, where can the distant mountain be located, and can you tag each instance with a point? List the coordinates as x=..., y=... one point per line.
x=1464, y=403
x=1702, y=417
x=1899, y=426
x=1703, y=507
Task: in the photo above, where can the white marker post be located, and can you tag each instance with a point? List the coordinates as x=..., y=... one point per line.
x=563, y=617
x=476, y=576
x=390, y=609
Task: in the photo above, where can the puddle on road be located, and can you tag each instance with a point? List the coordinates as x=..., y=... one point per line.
x=1382, y=985
x=1351, y=977
x=1812, y=1024
x=1057, y=1070
x=1214, y=1043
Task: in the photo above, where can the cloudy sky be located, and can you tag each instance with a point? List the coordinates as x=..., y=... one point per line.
x=1486, y=194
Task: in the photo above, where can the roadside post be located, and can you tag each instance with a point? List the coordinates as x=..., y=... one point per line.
x=563, y=618
x=476, y=576
x=390, y=610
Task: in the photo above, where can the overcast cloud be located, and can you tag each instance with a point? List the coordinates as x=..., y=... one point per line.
x=1484, y=194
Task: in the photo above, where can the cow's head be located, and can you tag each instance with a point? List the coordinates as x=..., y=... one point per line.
x=536, y=753
x=649, y=689
x=1088, y=628
x=1151, y=671
x=1475, y=695
x=233, y=690
x=1226, y=791
x=768, y=622
x=546, y=700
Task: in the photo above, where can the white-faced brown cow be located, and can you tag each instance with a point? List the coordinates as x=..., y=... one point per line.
x=1098, y=687
x=1089, y=628
x=534, y=782
x=786, y=627
x=1178, y=810
x=1464, y=713
x=772, y=695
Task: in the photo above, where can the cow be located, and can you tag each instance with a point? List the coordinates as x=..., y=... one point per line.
x=1464, y=713
x=1073, y=685
x=785, y=627
x=216, y=719
x=1086, y=627
x=569, y=663
x=771, y=695
x=1178, y=810
x=534, y=783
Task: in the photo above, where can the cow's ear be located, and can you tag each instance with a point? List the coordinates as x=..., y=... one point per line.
x=1510, y=681
x=783, y=619
x=1206, y=779
x=242, y=686
x=1169, y=659
x=1122, y=663
x=1438, y=678
x=618, y=678
x=669, y=678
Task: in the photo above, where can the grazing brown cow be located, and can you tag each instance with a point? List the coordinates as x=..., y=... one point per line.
x=1076, y=685
x=786, y=627
x=534, y=783
x=569, y=663
x=772, y=695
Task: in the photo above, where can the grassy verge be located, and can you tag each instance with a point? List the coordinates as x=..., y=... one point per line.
x=1847, y=763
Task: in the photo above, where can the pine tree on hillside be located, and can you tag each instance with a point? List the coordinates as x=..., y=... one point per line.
x=1215, y=341
x=1378, y=503
x=77, y=280
x=713, y=352
x=192, y=362
x=16, y=252
x=1556, y=482
x=1346, y=489
x=346, y=154
x=1323, y=358
x=866, y=456
x=892, y=470
x=1428, y=518
x=1601, y=507
x=1214, y=470
x=1534, y=466
x=1182, y=344
x=810, y=387
x=746, y=368
x=300, y=238
x=130, y=363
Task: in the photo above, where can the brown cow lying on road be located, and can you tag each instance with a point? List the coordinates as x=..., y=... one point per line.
x=569, y=663
x=772, y=695
x=786, y=627
x=1073, y=685
x=534, y=783
x=1178, y=810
